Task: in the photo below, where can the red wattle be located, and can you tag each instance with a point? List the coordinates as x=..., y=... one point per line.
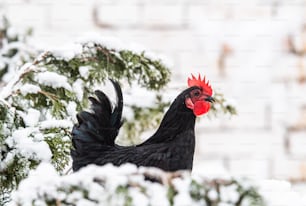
x=200, y=108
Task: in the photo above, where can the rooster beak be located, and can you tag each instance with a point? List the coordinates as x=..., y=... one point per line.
x=210, y=99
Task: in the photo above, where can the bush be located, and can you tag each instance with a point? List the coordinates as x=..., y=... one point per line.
x=128, y=185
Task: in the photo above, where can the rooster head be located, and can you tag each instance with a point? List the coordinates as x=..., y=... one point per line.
x=200, y=98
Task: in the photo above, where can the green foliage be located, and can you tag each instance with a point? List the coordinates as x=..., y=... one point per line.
x=171, y=194
x=232, y=192
x=123, y=193
x=60, y=147
x=13, y=172
x=143, y=67
x=221, y=106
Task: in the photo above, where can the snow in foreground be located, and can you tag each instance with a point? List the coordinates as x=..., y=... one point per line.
x=129, y=185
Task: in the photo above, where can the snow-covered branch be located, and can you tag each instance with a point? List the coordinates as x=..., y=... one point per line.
x=129, y=185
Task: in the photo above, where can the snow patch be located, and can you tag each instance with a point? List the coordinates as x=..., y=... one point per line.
x=183, y=197
x=71, y=109
x=30, y=118
x=53, y=79
x=12, y=33
x=279, y=192
x=67, y=51
x=49, y=124
x=84, y=71
x=25, y=146
x=78, y=89
x=44, y=175
x=212, y=194
x=108, y=42
x=229, y=194
x=29, y=89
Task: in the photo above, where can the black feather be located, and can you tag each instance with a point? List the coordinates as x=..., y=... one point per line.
x=96, y=130
x=117, y=113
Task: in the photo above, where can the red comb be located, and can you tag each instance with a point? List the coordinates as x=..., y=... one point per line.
x=200, y=83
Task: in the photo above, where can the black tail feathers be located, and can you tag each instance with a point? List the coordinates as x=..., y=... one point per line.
x=99, y=128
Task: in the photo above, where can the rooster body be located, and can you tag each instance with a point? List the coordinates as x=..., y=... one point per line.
x=171, y=148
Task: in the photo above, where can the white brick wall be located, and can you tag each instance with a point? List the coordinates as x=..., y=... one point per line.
x=191, y=33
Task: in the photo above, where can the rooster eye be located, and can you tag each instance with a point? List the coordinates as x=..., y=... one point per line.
x=196, y=93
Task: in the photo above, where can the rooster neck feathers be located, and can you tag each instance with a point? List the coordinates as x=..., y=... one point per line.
x=177, y=119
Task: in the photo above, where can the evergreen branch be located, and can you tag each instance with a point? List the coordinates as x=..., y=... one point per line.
x=8, y=89
x=49, y=95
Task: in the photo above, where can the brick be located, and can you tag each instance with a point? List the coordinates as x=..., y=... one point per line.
x=119, y=15
x=14, y=3
x=248, y=112
x=235, y=144
x=71, y=17
x=169, y=41
x=141, y=14
x=214, y=168
x=289, y=168
x=297, y=144
x=24, y=19
x=43, y=2
x=193, y=61
x=163, y=15
x=250, y=168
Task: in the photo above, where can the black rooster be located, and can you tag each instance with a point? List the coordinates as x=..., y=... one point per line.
x=171, y=148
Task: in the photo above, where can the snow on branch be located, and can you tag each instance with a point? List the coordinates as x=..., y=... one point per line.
x=129, y=185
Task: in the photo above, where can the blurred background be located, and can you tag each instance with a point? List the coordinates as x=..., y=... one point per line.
x=254, y=52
